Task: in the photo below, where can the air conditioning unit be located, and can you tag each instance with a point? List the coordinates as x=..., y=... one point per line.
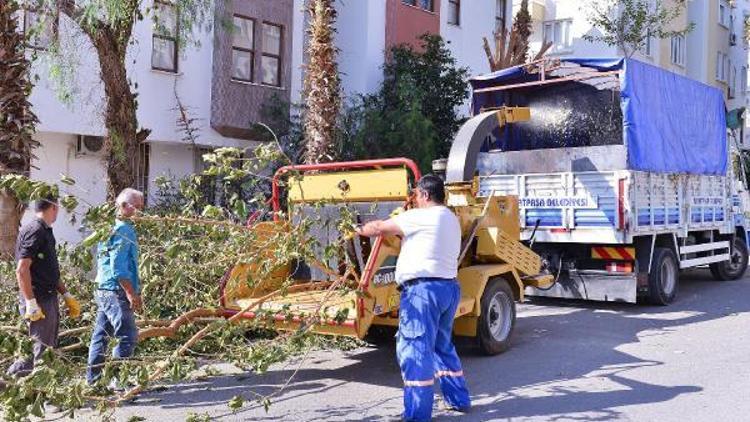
x=89, y=145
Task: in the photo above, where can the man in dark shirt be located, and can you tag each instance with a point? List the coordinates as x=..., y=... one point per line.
x=38, y=276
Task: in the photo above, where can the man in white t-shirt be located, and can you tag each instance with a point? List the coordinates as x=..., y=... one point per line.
x=426, y=274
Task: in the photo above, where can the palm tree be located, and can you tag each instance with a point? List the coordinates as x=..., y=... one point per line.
x=512, y=48
x=17, y=121
x=322, y=86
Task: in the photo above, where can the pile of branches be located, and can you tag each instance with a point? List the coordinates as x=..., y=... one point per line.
x=187, y=245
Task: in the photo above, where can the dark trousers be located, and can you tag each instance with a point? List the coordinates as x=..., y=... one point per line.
x=114, y=318
x=44, y=332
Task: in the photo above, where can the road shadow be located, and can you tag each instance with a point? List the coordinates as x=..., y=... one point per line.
x=559, y=349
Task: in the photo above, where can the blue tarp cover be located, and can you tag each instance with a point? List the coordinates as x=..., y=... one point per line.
x=671, y=124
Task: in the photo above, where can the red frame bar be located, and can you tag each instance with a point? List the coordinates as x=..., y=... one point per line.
x=342, y=165
x=621, y=205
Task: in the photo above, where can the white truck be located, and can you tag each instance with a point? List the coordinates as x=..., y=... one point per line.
x=623, y=175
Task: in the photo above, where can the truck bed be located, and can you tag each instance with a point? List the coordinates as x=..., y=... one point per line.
x=611, y=207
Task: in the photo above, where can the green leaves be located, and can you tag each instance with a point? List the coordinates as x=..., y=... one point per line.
x=187, y=243
x=630, y=24
x=27, y=190
x=198, y=417
x=236, y=403
x=414, y=113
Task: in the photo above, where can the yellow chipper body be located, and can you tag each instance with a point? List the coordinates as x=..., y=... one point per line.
x=494, y=270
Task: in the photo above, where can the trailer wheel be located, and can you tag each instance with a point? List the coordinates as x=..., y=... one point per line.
x=498, y=317
x=664, y=277
x=735, y=267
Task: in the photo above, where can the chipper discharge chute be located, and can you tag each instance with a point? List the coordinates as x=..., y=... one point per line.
x=493, y=271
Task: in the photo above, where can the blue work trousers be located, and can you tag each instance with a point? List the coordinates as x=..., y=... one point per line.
x=425, y=349
x=114, y=318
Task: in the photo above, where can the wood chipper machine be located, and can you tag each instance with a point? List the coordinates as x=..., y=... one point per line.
x=494, y=269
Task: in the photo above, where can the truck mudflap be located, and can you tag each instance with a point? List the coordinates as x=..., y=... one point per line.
x=592, y=285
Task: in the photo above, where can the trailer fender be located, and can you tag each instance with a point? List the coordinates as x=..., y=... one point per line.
x=473, y=281
x=741, y=232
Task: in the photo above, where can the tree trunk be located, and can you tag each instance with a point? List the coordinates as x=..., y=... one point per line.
x=10, y=218
x=322, y=84
x=123, y=137
x=17, y=120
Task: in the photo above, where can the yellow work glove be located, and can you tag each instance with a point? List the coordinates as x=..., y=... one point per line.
x=74, y=307
x=348, y=230
x=33, y=311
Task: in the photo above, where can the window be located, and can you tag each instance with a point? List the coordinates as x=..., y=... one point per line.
x=271, y=59
x=732, y=89
x=724, y=13
x=558, y=32
x=500, y=15
x=647, y=49
x=454, y=12
x=164, y=40
x=422, y=4
x=243, y=48
x=678, y=50
x=722, y=66
x=142, y=175
x=41, y=29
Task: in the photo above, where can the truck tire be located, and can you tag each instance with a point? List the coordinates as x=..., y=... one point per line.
x=735, y=267
x=498, y=317
x=664, y=277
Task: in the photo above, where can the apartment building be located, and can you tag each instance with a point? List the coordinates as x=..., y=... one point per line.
x=222, y=79
x=715, y=52
x=565, y=23
x=367, y=29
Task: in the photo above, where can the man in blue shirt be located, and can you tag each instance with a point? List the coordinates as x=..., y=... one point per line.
x=118, y=288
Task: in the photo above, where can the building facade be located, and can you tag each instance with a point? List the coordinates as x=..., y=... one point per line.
x=220, y=80
x=367, y=29
x=565, y=23
x=715, y=52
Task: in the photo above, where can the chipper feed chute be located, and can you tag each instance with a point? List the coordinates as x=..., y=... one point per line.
x=368, y=190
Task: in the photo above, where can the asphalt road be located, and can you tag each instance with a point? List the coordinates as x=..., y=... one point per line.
x=570, y=361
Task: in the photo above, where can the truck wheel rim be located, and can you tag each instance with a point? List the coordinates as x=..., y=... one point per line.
x=667, y=277
x=735, y=261
x=499, y=316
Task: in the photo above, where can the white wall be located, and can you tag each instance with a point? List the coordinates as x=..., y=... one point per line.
x=361, y=40
x=576, y=11
x=465, y=40
x=57, y=156
x=738, y=54
x=82, y=113
x=697, y=41
x=477, y=21
x=174, y=161
x=298, y=41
